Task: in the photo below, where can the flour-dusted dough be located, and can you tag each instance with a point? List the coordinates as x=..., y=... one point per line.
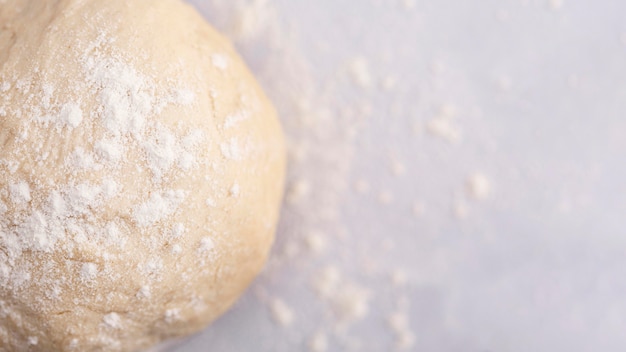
x=141, y=172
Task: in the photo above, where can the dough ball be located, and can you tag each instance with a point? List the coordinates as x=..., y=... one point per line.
x=141, y=173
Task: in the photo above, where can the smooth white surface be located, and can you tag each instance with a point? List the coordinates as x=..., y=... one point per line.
x=541, y=101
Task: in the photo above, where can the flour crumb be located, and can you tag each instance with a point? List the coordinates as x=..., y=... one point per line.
x=399, y=324
x=351, y=303
x=33, y=340
x=231, y=150
x=556, y=5
x=158, y=207
x=47, y=95
x=316, y=242
x=444, y=128
x=177, y=231
x=73, y=343
x=291, y=250
x=220, y=61
x=20, y=192
x=123, y=94
x=144, y=292
x=360, y=72
x=318, y=342
x=282, y=314
x=112, y=320
x=109, y=150
x=109, y=188
x=299, y=190
x=151, y=268
x=71, y=115
x=326, y=281
x=252, y=19
x=164, y=150
x=408, y=4
x=206, y=245
x=235, y=190
x=88, y=272
x=235, y=118
x=172, y=315
x=397, y=321
x=397, y=168
x=80, y=159
x=184, y=97
x=478, y=186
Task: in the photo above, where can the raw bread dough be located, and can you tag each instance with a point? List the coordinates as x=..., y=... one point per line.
x=141, y=172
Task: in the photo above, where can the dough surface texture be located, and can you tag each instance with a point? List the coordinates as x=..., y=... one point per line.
x=141, y=174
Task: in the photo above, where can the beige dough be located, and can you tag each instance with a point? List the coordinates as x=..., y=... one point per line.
x=141, y=172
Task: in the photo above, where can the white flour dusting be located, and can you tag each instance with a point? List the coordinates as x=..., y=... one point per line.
x=556, y=5
x=282, y=314
x=33, y=340
x=88, y=272
x=172, y=315
x=360, y=72
x=316, y=242
x=71, y=115
x=20, y=192
x=112, y=320
x=318, y=343
x=158, y=207
x=219, y=61
x=478, y=186
x=399, y=324
x=445, y=128
x=235, y=190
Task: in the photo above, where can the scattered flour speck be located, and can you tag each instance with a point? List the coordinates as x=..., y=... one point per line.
x=219, y=61
x=112, y=320
x=71, y=115
x=318, y=342
x=20, y=192
x=281, y=313
x=478, y=186
x=88, y=272
x=360, y=72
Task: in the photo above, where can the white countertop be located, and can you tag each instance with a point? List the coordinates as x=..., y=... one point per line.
x=536, y=91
